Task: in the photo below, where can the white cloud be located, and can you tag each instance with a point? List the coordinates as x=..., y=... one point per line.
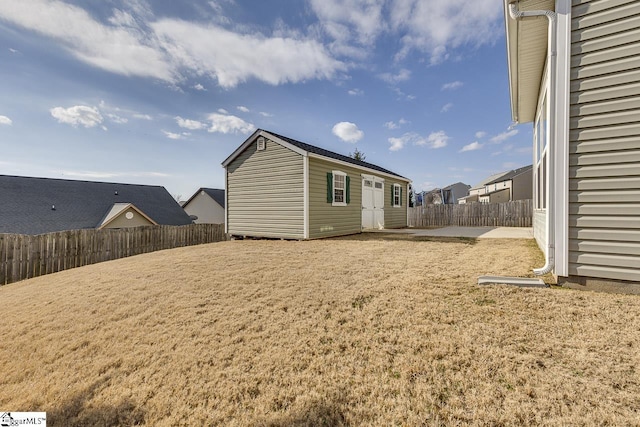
x=116, y=118
x=233, y=58
x=452, y=85
x=504, y=136
x=355, y=92
x=13, y=50
x=352, y=25
x=172, y=135
x=401, y=76
x=135, y=43
x=190, y=124
x=471, y=147
x=446, y=107
x=222, y=111
x=434, y=140
x=121, y=48
x=265, y=114
x=243, y=108
x=393, y=125
x=436, y=27
x=79, y=115
x=142, y=116
x=397, y=143
x=199, y=87
x=347, y=132
x=481, y=134
x=4, y=120
x=225, y=123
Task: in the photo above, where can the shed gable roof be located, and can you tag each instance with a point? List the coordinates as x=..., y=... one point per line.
x=43, y=205
x=306, y=149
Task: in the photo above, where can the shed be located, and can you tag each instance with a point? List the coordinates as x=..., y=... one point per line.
x=573, y=74
x=278, y=187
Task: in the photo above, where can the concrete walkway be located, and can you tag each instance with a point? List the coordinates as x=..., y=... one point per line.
x=475, y=232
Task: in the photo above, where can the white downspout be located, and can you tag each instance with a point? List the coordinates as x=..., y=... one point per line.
x=550, y=227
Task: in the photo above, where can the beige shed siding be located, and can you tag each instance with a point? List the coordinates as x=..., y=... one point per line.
x=265, y=191
x=326, y=220
x=604, y=150
x=395, y=217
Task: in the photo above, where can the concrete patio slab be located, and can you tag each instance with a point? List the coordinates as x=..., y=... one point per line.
x=473, y=232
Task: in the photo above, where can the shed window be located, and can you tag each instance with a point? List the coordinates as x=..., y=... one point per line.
x=338, y=184
x=396, y=195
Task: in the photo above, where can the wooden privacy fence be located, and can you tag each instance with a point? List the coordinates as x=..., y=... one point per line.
x=517, y=213
x=23, y=256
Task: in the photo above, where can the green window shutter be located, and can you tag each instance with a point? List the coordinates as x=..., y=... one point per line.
x=400, y=196
x=392, y=195
x=348, y=189
x=329, y=187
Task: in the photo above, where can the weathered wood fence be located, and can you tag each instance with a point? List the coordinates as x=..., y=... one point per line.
x=517, y=213
x=23, y=256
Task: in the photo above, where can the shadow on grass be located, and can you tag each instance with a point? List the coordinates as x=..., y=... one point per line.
x=381, y=236
x=320, y=415
x=77, y=411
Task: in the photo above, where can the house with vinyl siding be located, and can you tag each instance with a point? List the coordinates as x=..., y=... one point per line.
x=574, y=73
x=206, y=206
x=278, y=187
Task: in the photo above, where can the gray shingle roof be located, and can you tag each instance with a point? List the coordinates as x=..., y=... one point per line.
x=216, y=194
x=510, y=174
x=330, y=154
x=26, y=204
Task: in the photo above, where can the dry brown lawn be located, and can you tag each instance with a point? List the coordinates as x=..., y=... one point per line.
x=351, y=331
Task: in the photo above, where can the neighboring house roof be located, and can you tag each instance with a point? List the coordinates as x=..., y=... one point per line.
x=490, y=179
x=216, y=194
x=526, y=54
x=308, y=148
x=41, y=205
x=511, y=174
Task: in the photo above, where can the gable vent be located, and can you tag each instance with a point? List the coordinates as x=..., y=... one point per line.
x=262, y=143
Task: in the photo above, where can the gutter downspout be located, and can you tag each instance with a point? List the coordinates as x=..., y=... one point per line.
x=517, y=15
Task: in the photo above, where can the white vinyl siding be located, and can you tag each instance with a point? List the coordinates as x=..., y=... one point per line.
x=604, y=150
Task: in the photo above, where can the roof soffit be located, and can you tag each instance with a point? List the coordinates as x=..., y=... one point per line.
x=527, y=41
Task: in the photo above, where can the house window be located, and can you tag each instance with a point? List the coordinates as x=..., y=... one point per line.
x=338, y=184
x=396, y=195
x=541, y=141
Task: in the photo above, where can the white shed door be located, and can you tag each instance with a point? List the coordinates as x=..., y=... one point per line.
x=372, y=202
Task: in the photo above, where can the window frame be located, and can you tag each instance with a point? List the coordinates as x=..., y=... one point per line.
x=335, y=188
x=397, y=195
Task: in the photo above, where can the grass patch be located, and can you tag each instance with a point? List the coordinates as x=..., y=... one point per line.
x=329, y=332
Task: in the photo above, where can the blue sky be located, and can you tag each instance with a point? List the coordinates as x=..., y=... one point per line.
x=161, y=92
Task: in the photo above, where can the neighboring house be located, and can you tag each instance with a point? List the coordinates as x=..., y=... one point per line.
x=43, y=205
x=513, y=185
x=480, y=189
x=282, y=188
x=574, y=73
x=448, y=195
x=206, y=206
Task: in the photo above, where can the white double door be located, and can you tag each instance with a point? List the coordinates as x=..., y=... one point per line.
x=372, y=202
